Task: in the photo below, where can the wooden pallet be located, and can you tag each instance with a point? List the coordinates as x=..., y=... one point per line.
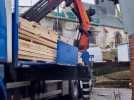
x=36, y=43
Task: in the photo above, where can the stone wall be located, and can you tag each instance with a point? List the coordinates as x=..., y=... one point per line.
x=106, y=36
x=131, y=44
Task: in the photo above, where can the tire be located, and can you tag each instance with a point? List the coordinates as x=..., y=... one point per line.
x=74, y=89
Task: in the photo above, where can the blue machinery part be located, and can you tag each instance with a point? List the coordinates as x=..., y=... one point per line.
x=66, y=54
x=85, y=57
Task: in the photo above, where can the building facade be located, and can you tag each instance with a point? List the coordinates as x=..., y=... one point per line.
x=108, y=30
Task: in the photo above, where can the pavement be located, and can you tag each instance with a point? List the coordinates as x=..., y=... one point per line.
x=111, y=94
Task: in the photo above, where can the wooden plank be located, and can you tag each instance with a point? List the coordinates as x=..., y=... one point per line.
x=51, y=33
x=38, y=30
x=24, y=57
x=38, y=52
x=24, y=35
x=34, y=54
x=34, y=24
x=28, y=32
x=36, y=42
x=29, y=51
x=36, y=49
x=32, y=45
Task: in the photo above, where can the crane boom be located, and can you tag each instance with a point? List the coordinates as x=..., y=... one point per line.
x=84, y=24
x=41, y=9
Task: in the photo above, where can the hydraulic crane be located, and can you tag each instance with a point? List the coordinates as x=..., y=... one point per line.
x=43, y=7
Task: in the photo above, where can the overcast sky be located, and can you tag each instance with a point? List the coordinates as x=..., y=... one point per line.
x=29, y=2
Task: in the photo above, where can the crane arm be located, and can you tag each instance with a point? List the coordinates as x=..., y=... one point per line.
x=82, y=14
x=84, y=24
x=43, y=7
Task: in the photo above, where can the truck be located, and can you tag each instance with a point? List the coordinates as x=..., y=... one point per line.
x=36, y=80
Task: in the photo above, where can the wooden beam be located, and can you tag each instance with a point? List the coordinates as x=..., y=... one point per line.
x=38, y=30
x=27, y=36
x=37, y=51
x=32, y=45
x=24, y=57
x=34, y=54
x=36, y=42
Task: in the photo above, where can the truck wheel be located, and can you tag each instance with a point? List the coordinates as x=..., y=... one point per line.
x=74, y=90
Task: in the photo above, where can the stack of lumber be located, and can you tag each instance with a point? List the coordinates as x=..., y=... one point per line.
x=36, y=43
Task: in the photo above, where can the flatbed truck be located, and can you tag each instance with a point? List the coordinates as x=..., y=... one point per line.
x=27, y=79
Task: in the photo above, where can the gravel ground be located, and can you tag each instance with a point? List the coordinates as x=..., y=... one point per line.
x=111, y=94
